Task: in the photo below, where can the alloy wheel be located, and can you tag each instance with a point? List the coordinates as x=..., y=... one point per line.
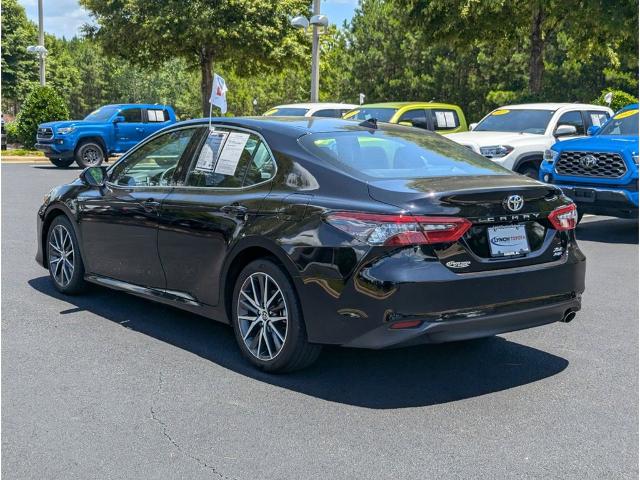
x=91, y=156
x=61, y=255
x=262, y=316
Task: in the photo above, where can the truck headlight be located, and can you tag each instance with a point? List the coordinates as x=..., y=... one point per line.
x=65, y=130
x=550, y=155
x=496, y=151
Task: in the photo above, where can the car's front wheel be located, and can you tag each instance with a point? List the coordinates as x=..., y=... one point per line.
x=63, y=254
x=89, y=154
x=267, y=319
x=61, y=163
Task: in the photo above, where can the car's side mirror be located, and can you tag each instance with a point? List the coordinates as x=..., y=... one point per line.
x=472, y=126
x=592, y=130
x=119, y=119
x=565, y=130
x=94, y=176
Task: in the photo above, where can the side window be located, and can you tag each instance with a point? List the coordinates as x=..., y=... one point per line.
x=154, y=163
x=445, y=119
x=157, y=115
x=416, y=118
x=132, y=115
x=261, y=168
x=597, y=118
x=327, y=112
x=230, y=159
x=573, y=118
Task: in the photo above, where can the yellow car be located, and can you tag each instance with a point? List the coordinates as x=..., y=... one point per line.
x=440, y=117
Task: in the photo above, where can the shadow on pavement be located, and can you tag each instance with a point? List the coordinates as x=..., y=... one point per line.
x=608, y=230
x=410, y=377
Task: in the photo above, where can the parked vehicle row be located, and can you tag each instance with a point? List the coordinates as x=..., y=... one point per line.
x=303, y=232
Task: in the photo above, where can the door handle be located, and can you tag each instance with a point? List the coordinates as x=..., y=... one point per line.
x=139, y=129
x=236, y=209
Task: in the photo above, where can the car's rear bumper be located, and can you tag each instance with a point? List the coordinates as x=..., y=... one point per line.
x=360, y=311
x=473, y=324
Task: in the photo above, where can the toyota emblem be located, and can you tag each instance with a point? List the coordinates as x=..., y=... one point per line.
x=514, y=203
x=588, y=161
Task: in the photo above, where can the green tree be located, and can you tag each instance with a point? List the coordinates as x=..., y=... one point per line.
x=251, y=33
x=19, y=68
x=42, y=105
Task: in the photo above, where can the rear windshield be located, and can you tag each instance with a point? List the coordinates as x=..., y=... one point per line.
x=525, y=121
x=287, y=112
x=398, y=154
x=624, y=123
x=381, y=114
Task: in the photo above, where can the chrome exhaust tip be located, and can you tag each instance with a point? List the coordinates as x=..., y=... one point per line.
x=568, y=316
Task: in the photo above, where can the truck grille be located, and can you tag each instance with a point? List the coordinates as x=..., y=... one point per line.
x=591, y=164
x=45, y=133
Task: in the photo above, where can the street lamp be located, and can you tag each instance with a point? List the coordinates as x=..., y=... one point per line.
x=316, y=21
x=39, y=49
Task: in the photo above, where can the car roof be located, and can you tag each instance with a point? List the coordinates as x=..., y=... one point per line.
x=315, y=105
x=406, y=104
x=288, y=126
x=551, y=106
x=142, y=105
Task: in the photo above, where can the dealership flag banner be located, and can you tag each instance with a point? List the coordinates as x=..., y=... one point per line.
x=219, y=93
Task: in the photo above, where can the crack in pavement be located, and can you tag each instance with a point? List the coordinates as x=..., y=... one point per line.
x=158, y=420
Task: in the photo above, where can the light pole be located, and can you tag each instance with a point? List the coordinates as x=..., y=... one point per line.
x=40, y=49
x=316, y=21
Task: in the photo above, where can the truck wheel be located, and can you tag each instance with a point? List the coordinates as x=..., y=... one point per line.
x=61, y=163
x=89, y=154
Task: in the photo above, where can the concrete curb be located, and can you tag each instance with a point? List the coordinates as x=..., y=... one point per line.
x=24, y=159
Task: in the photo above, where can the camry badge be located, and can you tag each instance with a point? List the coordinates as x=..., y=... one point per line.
x=513, y=203
x=588, y=161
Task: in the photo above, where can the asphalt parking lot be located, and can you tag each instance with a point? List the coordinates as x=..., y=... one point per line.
x=107, y=385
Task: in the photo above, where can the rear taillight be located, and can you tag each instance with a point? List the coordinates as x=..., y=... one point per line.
x=564, y=218
x=379, y=229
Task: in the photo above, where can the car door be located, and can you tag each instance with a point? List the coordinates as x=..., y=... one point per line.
x=130, y=131
x=575, y=119
x=119, y=222
x=416, y=117
x=221, y=191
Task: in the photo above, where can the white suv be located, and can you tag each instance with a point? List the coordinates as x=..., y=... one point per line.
x=516, y=136
x=334, y=110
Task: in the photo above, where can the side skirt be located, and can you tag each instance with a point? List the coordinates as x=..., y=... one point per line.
x=176, y=299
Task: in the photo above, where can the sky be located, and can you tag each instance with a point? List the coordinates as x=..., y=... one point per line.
x=65, y=17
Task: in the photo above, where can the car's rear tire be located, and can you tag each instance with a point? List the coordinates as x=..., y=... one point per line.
x=62, y=162
x=267, y=319
x=63, y=257
x=90, y=154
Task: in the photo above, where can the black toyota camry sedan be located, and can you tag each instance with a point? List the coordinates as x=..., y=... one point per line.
x=301, y=232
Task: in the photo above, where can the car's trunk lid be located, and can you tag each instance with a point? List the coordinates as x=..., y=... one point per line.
x=483, y=200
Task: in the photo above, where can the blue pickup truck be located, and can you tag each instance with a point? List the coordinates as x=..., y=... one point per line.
x=110, y=130
x=599, y=172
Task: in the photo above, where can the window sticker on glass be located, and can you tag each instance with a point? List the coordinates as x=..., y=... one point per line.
x=445, y=120
x=231, y=152
x=210, y=150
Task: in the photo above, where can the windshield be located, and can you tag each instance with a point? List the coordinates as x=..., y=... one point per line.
x=524, y=121
x=287, y=112
x=381, y=114
x=624, y=123
x=102, y=114
x=398, y=154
